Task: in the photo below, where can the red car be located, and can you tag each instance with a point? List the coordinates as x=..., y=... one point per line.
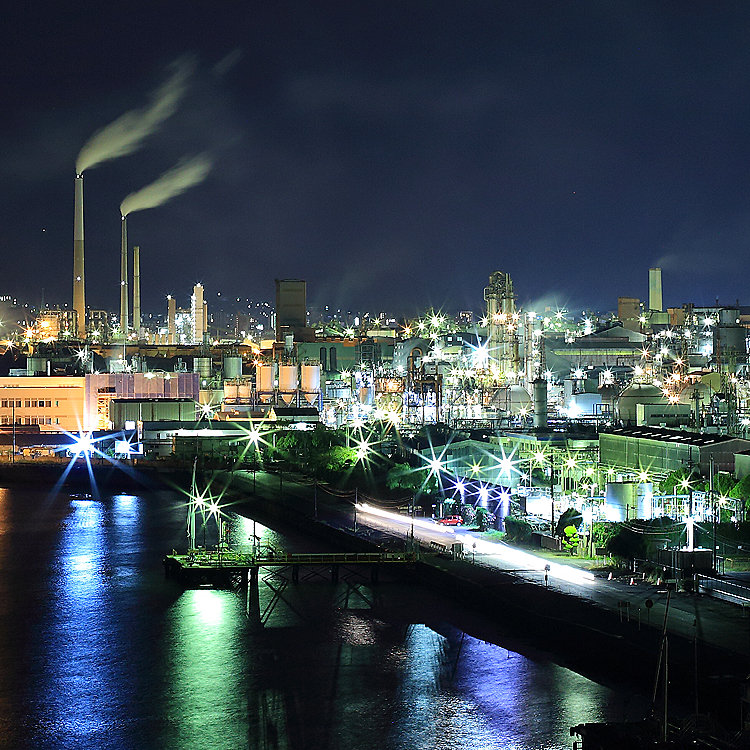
x=451, y=521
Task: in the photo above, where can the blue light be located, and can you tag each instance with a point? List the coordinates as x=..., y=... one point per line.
x=82, y=445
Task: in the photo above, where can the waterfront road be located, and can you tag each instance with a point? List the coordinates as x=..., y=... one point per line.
x=724, y=625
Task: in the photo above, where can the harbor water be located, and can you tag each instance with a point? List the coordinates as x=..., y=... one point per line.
x=99, y=650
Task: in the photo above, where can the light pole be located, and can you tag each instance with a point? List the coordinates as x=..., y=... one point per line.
x=712, y=500
x=552, y=493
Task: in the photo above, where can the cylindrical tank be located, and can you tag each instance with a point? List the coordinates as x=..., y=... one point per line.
x=540, y=403
x=202, y=365
x=513, y=398
x=230, y=391
x=729, y=340
x=243, y=391
x=310, y=382
x=36, y=365
x=581, y=404
x=264, y=377
x=367, y=395
x=628, y=500
x=287, y=382
x=626, y=407
x=232, y=367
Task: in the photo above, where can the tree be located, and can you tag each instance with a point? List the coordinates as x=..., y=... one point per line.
x=570, y=538
x=670, y=485
x=404, y=477
x=482, y=519
x=741, y=491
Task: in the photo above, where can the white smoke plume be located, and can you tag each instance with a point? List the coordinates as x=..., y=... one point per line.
x=127, y=132
x=177, y=180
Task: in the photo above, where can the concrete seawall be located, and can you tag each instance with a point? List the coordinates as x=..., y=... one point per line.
x=572, y=631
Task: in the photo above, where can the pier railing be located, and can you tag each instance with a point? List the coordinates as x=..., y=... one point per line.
x=267, y=557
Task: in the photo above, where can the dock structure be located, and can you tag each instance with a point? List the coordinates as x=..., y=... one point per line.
x=216, y=567
x=222, y=568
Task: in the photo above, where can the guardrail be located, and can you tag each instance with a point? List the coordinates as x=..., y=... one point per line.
x=729, y=591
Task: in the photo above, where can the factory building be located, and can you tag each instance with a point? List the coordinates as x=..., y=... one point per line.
x=102, y=388
x=659, y=450
x=291, y=311
x=83, y=403
x=52, y=403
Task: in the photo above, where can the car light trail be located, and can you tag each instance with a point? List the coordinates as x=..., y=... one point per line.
x=400, y=518
x=527, y=561
x=519, y=559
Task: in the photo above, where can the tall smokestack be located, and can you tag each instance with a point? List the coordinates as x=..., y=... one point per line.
x=124, y=279
x=137, y=290
x=171, y=315
x=79, y=285
x=654, y=290
x=197, y=312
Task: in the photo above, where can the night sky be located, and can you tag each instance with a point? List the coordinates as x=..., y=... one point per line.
x=391, y=153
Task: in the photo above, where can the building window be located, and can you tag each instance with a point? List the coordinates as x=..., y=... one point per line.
x=4, y=403
x=27, y=404
x=48, y=404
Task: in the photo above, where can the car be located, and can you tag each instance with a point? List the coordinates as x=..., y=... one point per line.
x=451, y=521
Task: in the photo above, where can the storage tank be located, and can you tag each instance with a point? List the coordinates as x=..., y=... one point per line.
x=511, y=399
x=628, y=500
x=583, y=404
x=264, y=377
x=287, y=382
x=36, y=365
x=230, y=391
x=540, y=403
x=232, y=367
x=626, y=405
x=311, y=382
x=202, y=365
x=243, y=391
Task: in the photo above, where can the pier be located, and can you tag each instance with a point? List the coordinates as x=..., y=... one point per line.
x=216, y=567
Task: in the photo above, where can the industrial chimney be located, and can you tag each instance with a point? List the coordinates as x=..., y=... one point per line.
x=137, y=290
x=197, y=313
x=79, y=285
x=171, y=322
x=124, y=279
x=654, y=290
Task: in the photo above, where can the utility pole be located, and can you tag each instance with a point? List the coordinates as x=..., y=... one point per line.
x=712, y=500
x=552, y=492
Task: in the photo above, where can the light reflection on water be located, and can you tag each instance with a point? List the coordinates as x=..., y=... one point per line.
x=114, y=656
x=81, y=685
